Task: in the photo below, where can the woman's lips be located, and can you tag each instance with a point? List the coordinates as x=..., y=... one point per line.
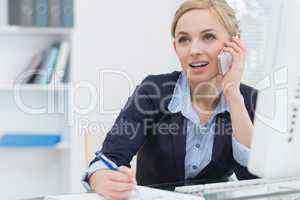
x=199, y=64
x=198, y=68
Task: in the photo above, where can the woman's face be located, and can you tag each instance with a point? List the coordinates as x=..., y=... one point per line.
x=199, y=38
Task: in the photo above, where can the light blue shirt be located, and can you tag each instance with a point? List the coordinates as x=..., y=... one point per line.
x=200, y=137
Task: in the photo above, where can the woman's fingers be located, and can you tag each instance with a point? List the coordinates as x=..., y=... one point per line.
x=120, y=190
x=231, y=50
x=112, y=184
x=236, y=49
x=120, y=176
x=234, y=46
x=129, y=172
x=239, y=42
x=231, y=81
x=120, y=186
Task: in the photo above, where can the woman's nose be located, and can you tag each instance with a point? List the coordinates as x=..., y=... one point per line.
x=196, y=48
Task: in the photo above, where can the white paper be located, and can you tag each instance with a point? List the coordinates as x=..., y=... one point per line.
x=146, y=193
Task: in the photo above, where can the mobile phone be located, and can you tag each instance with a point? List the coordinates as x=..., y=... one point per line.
x=224, y=62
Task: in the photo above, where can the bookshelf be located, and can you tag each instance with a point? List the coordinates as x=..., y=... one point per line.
x=98, y=42
x=36, y=109
x=18, y=30
x=34, y=87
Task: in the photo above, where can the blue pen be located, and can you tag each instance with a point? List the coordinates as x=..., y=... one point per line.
x=103, y=159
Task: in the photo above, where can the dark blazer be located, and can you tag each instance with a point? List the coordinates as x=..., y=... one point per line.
x=145, y=126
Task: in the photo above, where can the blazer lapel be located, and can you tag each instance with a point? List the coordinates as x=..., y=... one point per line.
x=179, y=144
x=223, y=129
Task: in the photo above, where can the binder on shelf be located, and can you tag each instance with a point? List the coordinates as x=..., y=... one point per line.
x=29, y=73
x=20, y=12
x=29, y=139
x=26, y=13
x=44, y=73
x=62, y=63
x=13, y=12
x=40, y=13
x=3, y=12
x=48, y=66
x=54, y=17
x=67, y=13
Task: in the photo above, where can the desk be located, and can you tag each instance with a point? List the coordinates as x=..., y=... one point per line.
x=283, y=195
x=294, y=196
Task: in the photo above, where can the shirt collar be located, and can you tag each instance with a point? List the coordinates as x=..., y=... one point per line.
x=181, y=101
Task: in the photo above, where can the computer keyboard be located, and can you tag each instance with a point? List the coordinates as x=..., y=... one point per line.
x=237, y=186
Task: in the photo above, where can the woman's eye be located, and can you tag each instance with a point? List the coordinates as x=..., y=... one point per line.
x=209, y=37
x=183, y=39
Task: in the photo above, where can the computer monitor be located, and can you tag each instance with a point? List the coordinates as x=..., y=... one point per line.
x=275, y=149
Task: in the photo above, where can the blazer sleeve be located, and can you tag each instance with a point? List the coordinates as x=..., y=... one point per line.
x=132, y=125
x=250, y=98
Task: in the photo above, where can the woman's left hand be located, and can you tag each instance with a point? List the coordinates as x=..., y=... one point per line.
x=232, y=78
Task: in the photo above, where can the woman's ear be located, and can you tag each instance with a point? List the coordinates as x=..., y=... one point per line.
x=174, y=44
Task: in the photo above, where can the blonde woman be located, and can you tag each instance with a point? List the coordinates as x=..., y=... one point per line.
x=190, y=125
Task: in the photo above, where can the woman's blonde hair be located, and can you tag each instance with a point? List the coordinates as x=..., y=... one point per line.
x=222, y=10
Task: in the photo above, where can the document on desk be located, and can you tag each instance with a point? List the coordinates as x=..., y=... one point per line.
x=146, y=194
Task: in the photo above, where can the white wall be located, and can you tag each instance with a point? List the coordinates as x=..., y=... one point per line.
x=131, y=36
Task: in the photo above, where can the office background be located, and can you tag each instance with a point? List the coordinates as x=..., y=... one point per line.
x=113, y=46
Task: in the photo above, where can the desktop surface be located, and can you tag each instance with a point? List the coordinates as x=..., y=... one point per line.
x=289, y=196
x=287, y=190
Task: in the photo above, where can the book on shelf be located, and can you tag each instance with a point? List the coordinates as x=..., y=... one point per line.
x=13, y=12
x=3, y=12
x=48, y=66
x=26, y=12
x=29, y=73
x=25, y=139
x=62, y=63
x=67, y=13
x=40, y=13
x=44, y=73
x=21, y=12
x=54, y=17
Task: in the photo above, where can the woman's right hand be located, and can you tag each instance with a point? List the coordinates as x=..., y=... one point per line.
x=113, y=185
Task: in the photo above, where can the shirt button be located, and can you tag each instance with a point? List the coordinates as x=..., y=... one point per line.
x=194, y=167
x=198, y=146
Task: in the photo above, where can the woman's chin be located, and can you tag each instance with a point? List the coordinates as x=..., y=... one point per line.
x=202, y=77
